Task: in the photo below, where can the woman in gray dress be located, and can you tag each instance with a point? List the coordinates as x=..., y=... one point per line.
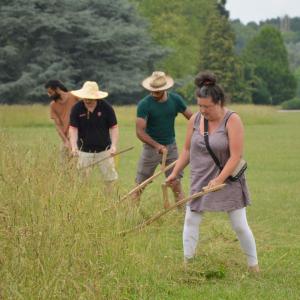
x=226, y=135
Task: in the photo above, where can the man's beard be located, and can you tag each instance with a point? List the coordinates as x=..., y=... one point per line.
x=159, y=97
x=55, y=97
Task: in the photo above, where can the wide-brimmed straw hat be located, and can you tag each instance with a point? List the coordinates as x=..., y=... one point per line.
x=90, y=90
x=158, y=81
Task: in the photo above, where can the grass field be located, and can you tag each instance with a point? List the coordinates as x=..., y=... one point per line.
x=56, y=241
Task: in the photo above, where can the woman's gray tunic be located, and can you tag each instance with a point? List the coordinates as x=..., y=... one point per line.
x=234, y=195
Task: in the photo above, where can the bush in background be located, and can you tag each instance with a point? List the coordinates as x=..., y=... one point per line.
x=291, y=104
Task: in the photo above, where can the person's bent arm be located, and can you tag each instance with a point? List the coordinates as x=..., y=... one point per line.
x=235, y=131
x=73, y=139
x=144, y=137
x=187, y=113
x=184, y=157
x=59, y=129
x=114, y=136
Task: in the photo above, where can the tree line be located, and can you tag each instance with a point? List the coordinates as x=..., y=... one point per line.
x=289, y=29
x=118, y=43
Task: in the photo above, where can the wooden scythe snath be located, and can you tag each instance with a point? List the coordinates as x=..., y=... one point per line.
x=144, y=183
x=177, y=204
x=164, y=186
x=164, y=159
x=107, y=157
x=163, y=169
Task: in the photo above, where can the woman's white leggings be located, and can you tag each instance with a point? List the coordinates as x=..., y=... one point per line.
x=239, y=224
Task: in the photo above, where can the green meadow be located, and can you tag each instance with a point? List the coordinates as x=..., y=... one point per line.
x=58, y=241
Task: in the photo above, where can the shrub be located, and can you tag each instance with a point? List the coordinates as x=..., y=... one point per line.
x=291, y=104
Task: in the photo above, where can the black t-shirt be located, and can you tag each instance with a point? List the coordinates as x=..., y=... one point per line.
x=93, y=128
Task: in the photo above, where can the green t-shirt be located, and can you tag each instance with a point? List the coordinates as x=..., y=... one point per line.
x=160, y=116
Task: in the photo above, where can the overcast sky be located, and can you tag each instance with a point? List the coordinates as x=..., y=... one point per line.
x=258, y=10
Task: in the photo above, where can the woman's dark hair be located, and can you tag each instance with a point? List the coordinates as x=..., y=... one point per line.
x=207, y=86
x=54, y=84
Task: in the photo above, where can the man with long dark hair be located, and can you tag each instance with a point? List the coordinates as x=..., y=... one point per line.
x=60, y=109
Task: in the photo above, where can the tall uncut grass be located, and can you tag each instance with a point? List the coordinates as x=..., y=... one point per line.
x=57, y=241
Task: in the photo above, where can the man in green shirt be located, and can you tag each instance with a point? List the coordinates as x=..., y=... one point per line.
x=155, y=122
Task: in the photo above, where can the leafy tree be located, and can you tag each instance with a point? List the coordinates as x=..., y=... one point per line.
x=294, y=55
x=243, y=34
x=297, y=75
x=267, y=53
x=179, y=26
x=261, y=94
x=74, y=41
x=290, y=36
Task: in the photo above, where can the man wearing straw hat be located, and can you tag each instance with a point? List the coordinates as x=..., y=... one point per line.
x=94, y=131
x=156, y=115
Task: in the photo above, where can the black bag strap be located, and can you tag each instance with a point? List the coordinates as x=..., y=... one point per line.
x=231, y=113
x=212, y=154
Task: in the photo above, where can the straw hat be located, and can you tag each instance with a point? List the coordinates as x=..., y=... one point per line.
x=90, y=90
x=158, y=81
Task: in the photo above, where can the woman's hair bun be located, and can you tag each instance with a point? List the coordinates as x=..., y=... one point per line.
x=205, y=79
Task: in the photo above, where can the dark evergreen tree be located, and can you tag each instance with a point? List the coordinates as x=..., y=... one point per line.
x=222, y=9
x=73, y=41
x=218, y=56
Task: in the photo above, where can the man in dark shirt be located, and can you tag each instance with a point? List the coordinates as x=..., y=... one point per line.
x=94, y=131
x=155, y=122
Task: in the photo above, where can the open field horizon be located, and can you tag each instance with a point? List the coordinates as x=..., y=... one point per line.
x=57, y=242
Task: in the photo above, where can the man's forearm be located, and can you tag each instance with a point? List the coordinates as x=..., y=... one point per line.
x=114, y=135
x=145, y=138
x=61, y=133
x=73, y=137
x=187, y=113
